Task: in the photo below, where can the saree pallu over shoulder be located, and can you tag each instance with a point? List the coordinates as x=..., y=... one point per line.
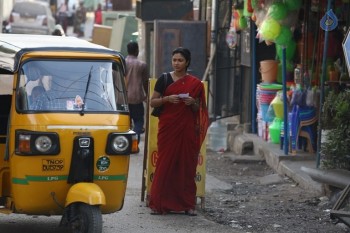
x=195, y=88
x=203, y=117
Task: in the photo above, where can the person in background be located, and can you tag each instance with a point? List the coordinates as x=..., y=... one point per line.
x=137, y=75
x=42, y=96
x=62, y=15
x=182, y=127
x=80, y=19
x=36, y=93
x=98, y=14
x=58, y=31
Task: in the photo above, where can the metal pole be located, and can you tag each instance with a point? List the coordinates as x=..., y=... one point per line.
x=285, y=104
x=324, y=60
x=254, y=75
x=202, y=11
x=212, y=82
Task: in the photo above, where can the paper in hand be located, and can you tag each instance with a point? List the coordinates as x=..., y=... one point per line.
x=184, y=95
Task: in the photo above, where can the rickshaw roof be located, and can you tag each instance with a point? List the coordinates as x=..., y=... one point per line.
x=14, y=46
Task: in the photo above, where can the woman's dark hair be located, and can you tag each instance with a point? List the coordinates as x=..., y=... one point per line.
x=185, y=53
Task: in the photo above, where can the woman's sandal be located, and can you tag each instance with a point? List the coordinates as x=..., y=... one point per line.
x=154, y=212
x=191, y=212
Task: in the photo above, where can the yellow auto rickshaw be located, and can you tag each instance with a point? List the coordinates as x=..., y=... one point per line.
x=65, y=132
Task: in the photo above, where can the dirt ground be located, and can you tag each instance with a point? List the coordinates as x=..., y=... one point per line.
x=255, y=206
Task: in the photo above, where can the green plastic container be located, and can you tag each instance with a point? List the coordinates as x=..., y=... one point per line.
x=275, y=130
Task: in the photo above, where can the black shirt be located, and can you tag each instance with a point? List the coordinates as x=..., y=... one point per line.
x=163, y=82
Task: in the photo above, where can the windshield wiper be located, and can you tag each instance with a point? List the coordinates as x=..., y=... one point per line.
x=86, y=90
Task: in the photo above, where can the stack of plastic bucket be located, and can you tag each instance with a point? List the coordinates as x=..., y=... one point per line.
x=265, y=94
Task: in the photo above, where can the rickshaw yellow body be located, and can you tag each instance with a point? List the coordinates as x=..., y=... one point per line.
x=38, y=184
x=89, y=193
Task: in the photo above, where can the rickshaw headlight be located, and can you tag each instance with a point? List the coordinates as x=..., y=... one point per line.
x=37, y=143
x=43, y=143
x=120, y=143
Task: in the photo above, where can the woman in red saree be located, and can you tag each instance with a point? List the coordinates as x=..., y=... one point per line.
x=182, y=128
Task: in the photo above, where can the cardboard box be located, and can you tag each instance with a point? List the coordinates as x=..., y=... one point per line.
x=101, y=35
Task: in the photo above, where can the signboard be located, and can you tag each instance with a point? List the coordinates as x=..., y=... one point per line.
x=152, y=153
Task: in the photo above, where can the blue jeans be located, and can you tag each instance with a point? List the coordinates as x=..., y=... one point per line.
x=137, y=112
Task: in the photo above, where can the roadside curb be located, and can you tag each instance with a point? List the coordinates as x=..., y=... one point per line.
x=286, y=165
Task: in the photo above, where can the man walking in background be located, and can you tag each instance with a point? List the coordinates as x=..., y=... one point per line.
x=62, y=15
x=80, y=19
x=137, y=75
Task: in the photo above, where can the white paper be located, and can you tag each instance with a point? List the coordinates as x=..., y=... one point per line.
x=184, y=95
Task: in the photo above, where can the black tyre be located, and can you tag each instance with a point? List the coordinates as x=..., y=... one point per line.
x=87, y=219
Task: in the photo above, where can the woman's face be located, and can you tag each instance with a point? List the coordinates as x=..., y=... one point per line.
x=179, y=62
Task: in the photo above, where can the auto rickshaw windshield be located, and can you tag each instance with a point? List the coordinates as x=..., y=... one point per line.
x=68, y=85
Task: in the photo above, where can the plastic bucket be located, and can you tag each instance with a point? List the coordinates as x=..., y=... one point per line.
x=269, y=70
x=264, y=107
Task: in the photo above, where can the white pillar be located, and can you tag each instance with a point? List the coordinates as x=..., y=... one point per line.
x=1, y=12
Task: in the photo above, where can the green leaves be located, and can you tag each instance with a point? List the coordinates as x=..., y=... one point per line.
x=335, y=150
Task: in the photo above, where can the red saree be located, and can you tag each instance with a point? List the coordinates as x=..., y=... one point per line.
x=181, y=132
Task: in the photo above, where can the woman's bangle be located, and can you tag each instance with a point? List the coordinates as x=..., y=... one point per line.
x=165, y=98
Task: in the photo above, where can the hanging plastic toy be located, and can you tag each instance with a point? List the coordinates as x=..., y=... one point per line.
x=270, y=29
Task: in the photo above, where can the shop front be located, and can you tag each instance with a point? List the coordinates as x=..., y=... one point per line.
x=297, y=61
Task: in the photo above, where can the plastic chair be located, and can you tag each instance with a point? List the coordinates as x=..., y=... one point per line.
x=308, y=133
x=293, y=117
x=302, y=119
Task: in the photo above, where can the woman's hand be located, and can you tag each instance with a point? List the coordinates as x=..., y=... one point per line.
x=189, y=100
x=194, y=103
x=174, y=99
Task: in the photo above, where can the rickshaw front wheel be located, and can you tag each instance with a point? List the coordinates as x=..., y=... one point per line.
x=86, y=219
